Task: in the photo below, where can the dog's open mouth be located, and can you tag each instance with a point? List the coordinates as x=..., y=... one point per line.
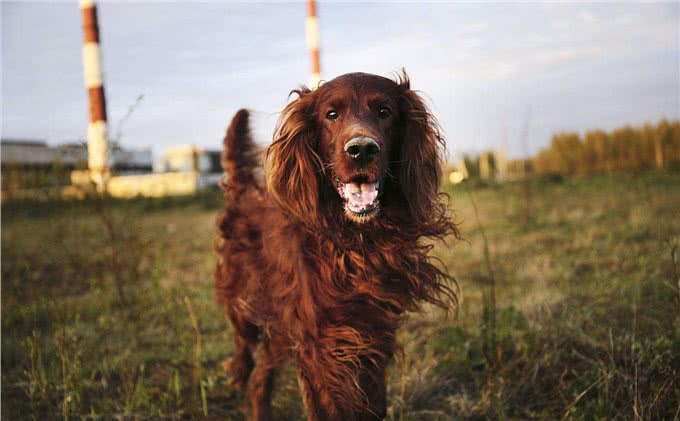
x=360, y=199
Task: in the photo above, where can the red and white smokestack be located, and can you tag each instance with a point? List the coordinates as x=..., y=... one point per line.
x=312, y=30
x=97, y=144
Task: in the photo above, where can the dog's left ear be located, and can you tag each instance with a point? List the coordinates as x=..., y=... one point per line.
x=422, y=147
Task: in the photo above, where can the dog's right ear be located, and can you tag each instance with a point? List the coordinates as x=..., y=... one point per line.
x=292, y=163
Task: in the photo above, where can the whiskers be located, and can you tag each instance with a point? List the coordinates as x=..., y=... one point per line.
x=327, y=166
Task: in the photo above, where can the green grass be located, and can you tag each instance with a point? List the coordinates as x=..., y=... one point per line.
x=586, y=326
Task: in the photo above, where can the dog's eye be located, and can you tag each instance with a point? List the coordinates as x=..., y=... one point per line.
x=332, y=115
x=384, y=112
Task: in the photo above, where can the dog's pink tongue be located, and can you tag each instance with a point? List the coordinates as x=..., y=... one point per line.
x=362, y=194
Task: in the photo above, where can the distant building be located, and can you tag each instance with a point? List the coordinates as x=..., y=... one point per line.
x=25, y=153
x=32, y=166
x=191, y=158
x=180, y=170
x=37, y=154
x=131, y=160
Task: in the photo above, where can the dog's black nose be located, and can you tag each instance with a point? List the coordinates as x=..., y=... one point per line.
x=362, y=148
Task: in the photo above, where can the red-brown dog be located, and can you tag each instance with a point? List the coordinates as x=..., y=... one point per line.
x=321, y=263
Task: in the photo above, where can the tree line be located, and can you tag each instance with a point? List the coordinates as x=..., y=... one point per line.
x=601, y=152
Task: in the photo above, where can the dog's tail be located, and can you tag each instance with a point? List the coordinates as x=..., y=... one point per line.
x=240, y=156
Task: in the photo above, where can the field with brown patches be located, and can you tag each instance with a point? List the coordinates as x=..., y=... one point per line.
x=575, y=314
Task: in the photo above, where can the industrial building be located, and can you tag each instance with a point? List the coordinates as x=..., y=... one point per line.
x=37, y=154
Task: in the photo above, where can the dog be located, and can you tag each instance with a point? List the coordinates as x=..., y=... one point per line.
x=319, y=262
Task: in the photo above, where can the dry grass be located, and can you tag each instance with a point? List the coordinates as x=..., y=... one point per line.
x=587, y=311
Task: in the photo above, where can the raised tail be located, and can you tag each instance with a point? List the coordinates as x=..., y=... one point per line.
x=240, y=155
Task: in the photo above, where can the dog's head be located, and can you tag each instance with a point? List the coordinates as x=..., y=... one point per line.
x=360, y=144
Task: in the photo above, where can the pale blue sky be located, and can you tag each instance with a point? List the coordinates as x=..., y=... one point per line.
x=577, y=65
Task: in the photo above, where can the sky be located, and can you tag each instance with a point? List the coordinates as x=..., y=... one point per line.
x=487, y=69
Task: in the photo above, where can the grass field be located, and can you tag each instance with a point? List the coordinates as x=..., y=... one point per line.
x=108, y=310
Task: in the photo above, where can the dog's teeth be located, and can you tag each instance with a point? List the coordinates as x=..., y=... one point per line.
x=361, y=199
x=355, y=188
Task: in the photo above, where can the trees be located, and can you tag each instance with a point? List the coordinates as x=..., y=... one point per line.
x=627, y=148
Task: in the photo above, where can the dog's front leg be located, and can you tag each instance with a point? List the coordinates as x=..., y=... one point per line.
x=327, y=395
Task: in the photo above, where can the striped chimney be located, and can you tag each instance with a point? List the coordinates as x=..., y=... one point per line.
x=97, y=145
x=312, y=30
